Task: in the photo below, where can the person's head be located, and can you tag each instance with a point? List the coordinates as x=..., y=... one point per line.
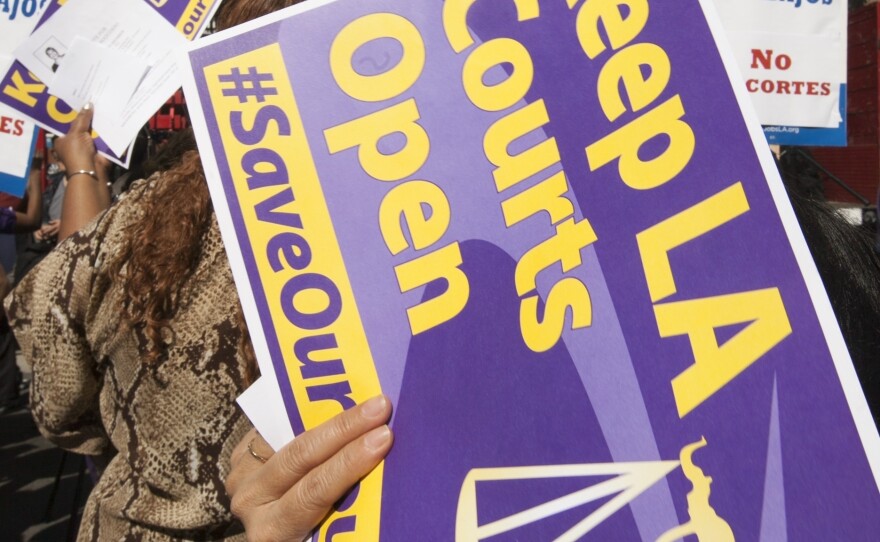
x=235, y=12
x=850, y=271
x=161, y=251
x=52, y=53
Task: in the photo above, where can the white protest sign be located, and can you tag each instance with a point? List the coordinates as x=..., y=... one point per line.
x=17, y=20
x=16, y=145
x=792, y=55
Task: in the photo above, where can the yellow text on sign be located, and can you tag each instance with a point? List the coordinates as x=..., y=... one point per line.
x=299, y=267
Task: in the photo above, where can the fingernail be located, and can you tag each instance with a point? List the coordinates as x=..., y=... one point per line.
x=377, y=438
x=374, y=407
x=87, y=106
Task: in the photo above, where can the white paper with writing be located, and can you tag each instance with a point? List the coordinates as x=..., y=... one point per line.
x=105, y=77
x=127, y=26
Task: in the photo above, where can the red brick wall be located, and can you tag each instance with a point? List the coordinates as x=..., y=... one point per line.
x=858, y=164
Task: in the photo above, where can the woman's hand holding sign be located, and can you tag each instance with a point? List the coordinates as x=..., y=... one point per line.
x=284, y=496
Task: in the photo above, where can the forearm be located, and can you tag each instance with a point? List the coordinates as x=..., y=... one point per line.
x=25, y=222
x=84, y=199
x=30, y=219
x=5, y=286
x=87, y=194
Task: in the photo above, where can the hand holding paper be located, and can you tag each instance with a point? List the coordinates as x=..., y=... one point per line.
x=77, y=149
x=127, y=27
x=89, y=195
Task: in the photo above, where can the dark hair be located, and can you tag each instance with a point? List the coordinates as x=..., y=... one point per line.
x=850, y=269
x=165, y=157
x=234, y=12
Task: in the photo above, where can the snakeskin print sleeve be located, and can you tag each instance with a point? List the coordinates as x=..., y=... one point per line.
x=49, y=311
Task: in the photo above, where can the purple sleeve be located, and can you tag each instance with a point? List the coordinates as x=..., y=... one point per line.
x=7, y=219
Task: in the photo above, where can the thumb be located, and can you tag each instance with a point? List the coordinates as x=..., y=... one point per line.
x=83, y=121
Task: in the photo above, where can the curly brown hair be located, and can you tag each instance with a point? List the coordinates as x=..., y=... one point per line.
x=158, y=255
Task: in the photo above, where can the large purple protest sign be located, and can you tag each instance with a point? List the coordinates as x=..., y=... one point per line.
x=545, y=231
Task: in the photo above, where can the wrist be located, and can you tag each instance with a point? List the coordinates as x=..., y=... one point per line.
x=89, y=173
x=86, y=164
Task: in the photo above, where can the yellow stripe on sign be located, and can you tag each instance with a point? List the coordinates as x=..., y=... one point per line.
x=256, y=86
x=193, y=17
